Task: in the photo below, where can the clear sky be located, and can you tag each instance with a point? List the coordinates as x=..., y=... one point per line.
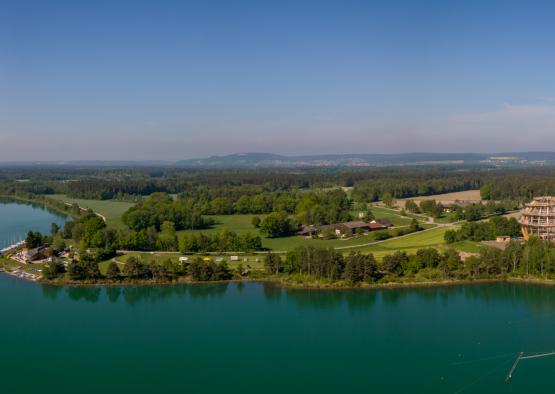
x=179, y=79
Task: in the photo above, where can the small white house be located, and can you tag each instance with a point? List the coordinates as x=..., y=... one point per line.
x=183, y=259
x=234, y=258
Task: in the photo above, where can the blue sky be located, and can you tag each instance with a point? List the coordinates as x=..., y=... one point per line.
x=178, y=79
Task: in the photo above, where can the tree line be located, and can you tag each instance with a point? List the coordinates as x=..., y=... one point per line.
x=135, y=269
x=531, y=258
x=484, y=231
x=455, y=212
x=370, y=184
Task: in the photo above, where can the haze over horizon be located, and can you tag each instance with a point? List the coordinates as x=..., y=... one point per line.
x=147, y=80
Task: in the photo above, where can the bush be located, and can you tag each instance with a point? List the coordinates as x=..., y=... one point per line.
x=113, y=272
x=53, y=269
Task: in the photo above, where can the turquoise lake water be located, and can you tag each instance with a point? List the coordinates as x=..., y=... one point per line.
x=17, y=219
x=259, y=338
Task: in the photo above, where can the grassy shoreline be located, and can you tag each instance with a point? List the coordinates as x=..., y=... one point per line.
x=288, y=283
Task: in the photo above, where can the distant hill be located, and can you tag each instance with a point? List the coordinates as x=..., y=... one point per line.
x=254, y=160
x=87, y=163
x=268, y=160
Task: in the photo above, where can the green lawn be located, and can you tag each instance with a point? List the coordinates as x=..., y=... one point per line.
x=395, y=218
x=240, y=224
x=111, y=210
x=411, y=243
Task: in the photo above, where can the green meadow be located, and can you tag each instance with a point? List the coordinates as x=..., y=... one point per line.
x=110, y=209
x=241, y=224
x=432, y=238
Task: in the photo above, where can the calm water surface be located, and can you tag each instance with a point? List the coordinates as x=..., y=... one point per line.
x=17, y=219
x=257, y=338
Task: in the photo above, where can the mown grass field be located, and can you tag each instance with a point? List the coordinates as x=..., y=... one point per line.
x=241, y=224
x=411, y=243
x=111, y=210
x=395, y=218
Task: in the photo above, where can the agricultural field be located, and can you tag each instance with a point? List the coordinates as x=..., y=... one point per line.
x=109, y=209
x=468, y=195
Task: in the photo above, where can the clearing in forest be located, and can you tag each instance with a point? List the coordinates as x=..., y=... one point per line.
x=447, y=198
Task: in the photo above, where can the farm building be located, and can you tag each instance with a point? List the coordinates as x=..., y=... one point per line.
x=344, y=229
x=385, y=222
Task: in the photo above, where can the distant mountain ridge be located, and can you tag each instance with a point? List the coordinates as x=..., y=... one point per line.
x=253, y=160
x=269, y=160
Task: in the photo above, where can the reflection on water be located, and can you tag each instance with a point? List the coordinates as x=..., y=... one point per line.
x=51, y=292
x=137, y=294
x=326, y=299
x=89, y=294
x=539, y=298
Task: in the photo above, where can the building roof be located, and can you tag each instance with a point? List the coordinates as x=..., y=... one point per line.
x=32, y=252
x=307, y=230
x=355, y=224
x=376, y=226
x=385, y=222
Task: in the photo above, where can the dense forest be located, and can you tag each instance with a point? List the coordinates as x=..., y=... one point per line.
x=369, y=184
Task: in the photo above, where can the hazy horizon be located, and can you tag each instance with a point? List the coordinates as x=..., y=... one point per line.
x=172, y=80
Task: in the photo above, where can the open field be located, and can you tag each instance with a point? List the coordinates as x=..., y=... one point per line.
x=468, y=195
x=111, y=210
x=394, y=216
x=411, y=243
x=241, y=224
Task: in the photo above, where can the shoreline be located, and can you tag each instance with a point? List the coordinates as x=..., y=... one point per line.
x=45, y=202
x=283, y=283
